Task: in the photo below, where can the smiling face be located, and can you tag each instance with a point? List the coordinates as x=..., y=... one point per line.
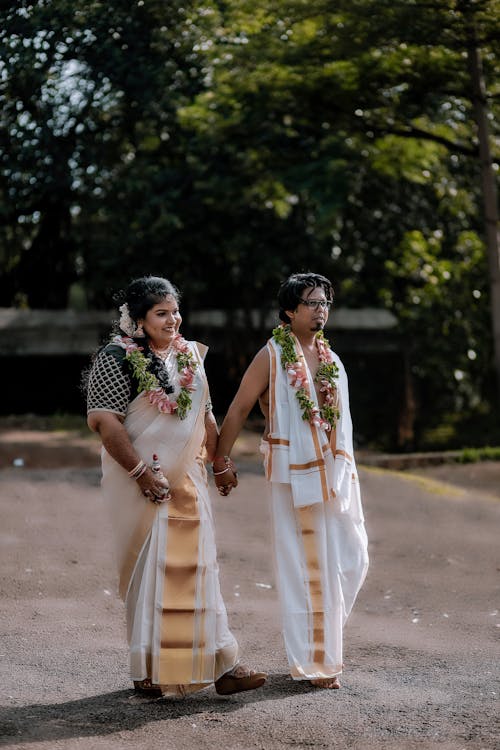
x=311, y=313
x=162, y=322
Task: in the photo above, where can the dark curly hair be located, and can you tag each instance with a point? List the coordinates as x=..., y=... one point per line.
x=144, y=293
x=290, y=292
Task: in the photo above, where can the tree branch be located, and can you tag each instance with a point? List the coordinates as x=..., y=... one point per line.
x=411, y=131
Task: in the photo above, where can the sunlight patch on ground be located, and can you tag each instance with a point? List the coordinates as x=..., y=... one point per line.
x=432, y=486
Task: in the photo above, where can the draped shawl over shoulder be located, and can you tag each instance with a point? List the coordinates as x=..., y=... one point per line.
x=319, y=465
x=177, y=442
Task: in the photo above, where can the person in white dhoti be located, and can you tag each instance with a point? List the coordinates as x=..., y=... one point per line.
x=319, y=538
x=147, y=395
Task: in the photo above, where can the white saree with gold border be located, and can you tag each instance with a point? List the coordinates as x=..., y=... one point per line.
x=168, y=573
x=319, y=538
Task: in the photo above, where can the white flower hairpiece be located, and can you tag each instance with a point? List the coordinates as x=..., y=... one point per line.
x=126, y=323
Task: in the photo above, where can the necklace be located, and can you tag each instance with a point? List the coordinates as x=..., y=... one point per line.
x=161, y=353
x=326, y=375
x=148, y=382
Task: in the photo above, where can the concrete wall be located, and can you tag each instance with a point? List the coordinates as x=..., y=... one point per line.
x=43, y=354
x=67, y=332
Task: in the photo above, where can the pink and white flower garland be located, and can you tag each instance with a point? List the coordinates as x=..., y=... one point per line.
x=325, y=417
x=149, y=383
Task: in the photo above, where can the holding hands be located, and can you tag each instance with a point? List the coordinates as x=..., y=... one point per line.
x=225, y=474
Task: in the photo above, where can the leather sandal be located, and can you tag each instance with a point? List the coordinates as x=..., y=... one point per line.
x=146, y=687
x=230, y=683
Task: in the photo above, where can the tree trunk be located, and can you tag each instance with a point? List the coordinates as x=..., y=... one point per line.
x=489, y=189
x=408, y=411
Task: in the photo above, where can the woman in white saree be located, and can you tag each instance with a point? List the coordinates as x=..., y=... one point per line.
x=148, y=395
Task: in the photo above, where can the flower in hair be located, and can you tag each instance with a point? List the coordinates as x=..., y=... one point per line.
x=126, y=323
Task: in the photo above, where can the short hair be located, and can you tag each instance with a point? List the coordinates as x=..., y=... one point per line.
x=144, y=293
x=290, y=292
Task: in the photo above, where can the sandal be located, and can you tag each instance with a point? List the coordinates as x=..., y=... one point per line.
x=146, y=687
x=231, y=683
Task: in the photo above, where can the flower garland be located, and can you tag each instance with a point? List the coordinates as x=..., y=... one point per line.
x=149, y=383
x=326, y=375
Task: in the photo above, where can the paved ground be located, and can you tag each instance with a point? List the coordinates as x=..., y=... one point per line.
x=422, y=646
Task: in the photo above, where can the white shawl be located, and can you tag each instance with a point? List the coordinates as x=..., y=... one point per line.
x=319, y=465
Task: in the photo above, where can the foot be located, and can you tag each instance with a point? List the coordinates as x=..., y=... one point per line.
x=330, y=683
x=240, y=678
x=146, y=687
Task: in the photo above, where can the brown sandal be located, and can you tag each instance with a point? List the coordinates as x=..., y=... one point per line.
x=146, y=687
x=230, y=683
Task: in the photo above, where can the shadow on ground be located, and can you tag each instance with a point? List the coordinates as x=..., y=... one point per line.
x=108, y=713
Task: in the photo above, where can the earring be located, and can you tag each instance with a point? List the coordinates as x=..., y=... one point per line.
x=139, y=331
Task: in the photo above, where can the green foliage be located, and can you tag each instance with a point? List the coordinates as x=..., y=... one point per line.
x=281, y=334
x=226, y=145
x=146, y=381
x=472, y=455
x=183, y=403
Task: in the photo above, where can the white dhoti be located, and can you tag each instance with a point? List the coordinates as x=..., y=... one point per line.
x=319, y=537
x=320, y=563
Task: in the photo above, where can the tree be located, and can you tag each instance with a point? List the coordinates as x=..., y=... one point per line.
x=89, y=93
x=374, y=99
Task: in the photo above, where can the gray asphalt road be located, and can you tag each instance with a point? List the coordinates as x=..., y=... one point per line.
x=421, y=649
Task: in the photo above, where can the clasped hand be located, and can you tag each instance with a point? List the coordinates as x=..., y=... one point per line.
x=225, y=475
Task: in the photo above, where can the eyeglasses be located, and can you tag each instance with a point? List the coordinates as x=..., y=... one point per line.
x=316, y=304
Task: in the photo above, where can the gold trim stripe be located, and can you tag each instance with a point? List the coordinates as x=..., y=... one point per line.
x=272, y=407
x=321, y=465
x=179, y=613
x=313, y=582
x=277, y=441
x=308, y=465
x=343, y=453
x=314, y=434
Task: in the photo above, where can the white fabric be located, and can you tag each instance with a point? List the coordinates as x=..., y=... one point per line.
x=341, y=546
x=320, y=545
x=144, y=596
x=178, y=444
x=287, y=425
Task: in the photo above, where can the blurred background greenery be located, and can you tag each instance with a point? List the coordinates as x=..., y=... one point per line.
x=228, y=144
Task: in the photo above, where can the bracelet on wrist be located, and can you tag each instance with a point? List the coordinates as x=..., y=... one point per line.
x=226, y=459
x=142, y=471
x=138, y=470
x=228, y=465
